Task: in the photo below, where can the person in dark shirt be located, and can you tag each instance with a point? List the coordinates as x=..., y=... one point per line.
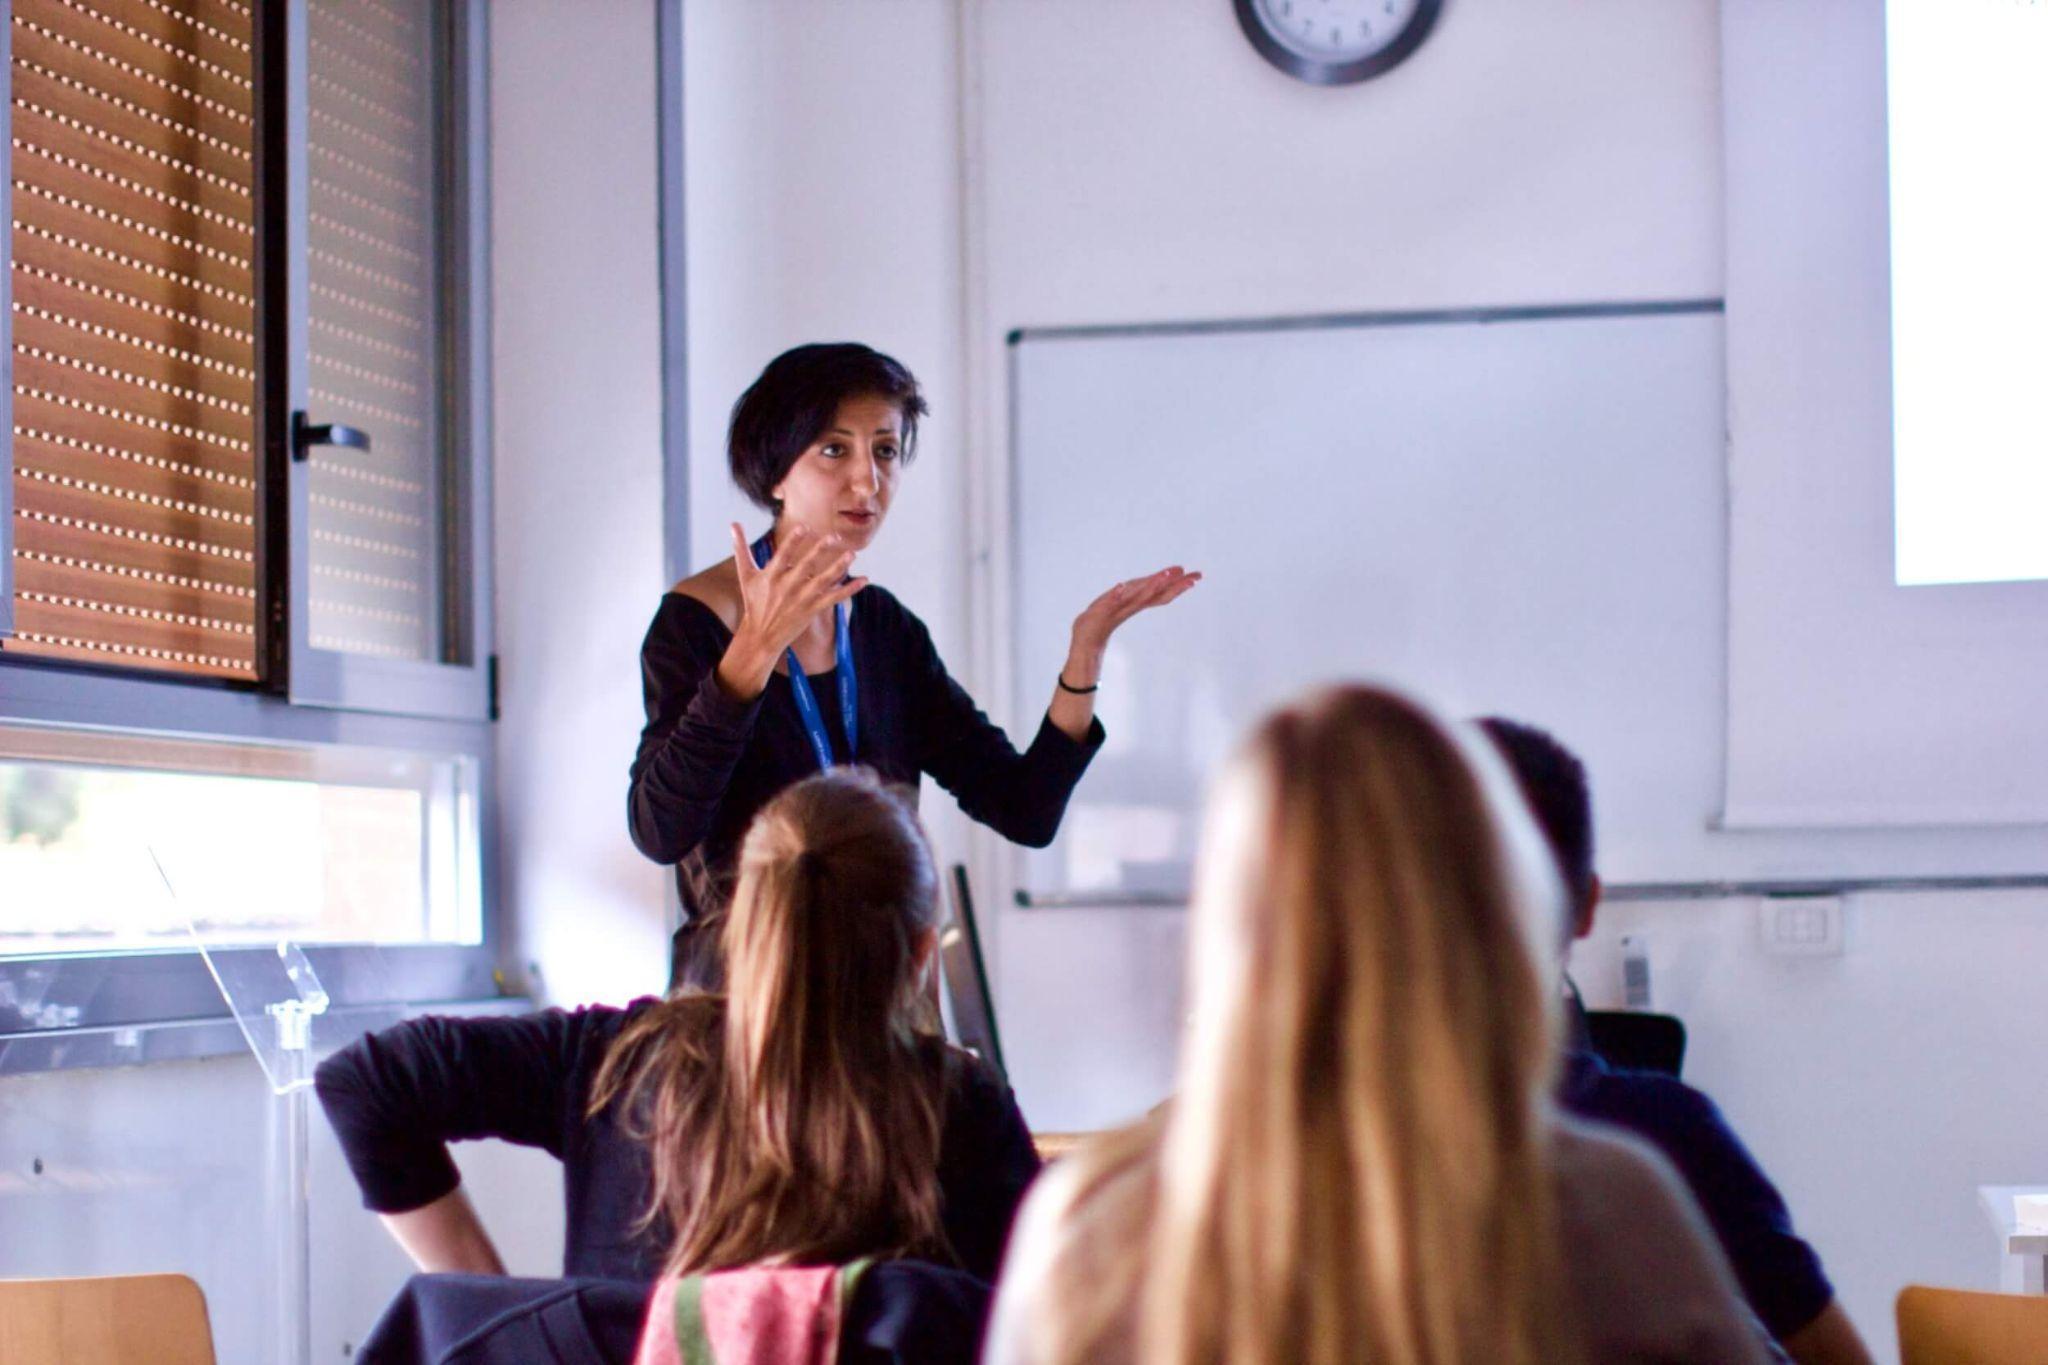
x=805, y=1116
x=774, y=663
x=1779, y=1272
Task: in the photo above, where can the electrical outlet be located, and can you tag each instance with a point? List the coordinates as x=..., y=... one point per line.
x=1801, y=926
x=1635, y=972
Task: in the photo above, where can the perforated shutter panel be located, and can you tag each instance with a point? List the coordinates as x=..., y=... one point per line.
x=134, y=466
x=373, y=168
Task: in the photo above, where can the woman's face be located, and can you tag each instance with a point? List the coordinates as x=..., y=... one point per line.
x=842, y=483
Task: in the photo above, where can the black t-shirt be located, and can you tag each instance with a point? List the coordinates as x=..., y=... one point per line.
x=1779, y=1272
x=707, y=762
x=396, y=1098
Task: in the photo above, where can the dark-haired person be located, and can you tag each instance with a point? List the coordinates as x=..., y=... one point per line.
x=773, y=664
x=1780, y=1273
x=803, y=1116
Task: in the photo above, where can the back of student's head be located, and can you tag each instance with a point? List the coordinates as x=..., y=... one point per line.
x=1552, y=779
x=1355, y=1164
x=796, y=1115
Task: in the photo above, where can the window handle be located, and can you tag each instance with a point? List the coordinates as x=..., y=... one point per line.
x=305, y=436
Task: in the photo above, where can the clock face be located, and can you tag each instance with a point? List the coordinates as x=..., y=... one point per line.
x=1336, y=30
x=1333, y=42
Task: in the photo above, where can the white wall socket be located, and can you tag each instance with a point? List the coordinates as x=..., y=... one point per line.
x=1800, y=926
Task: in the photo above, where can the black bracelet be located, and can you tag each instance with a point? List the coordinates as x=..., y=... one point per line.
x=1066, y=686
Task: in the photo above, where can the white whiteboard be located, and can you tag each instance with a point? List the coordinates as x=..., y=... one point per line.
x=1524, y=516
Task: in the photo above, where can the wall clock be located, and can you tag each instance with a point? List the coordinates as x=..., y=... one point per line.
x=1337, y=42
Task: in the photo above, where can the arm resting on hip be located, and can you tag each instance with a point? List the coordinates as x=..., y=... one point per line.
x=446, y=1236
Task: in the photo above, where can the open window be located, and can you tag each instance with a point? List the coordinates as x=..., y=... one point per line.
x=244, y=524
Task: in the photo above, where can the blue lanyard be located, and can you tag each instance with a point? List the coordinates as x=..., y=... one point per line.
x=800, y=686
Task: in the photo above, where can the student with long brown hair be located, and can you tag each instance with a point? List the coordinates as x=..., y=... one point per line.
x=1361, y=1162
x=797, y=1117
x=802, y=1115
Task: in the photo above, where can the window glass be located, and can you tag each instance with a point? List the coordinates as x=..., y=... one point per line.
x=261, y=843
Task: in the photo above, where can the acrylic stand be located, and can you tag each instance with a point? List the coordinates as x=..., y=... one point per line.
x=277, y=1000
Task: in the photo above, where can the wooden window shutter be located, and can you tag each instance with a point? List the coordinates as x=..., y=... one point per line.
x=373, y=159
x=134, y=536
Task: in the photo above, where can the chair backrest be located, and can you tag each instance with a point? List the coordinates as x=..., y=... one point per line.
x=1965, y=1327
x=1638, y=1041
x=965, y=975
x=755, y=1315
x=105, y=1320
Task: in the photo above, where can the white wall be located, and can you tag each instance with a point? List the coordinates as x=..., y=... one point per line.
x=164, y=1168
x=823, y=186
x=822, y=180
x=927, y=175
x=1879, y=1088
x=1143, y=164
x=1136, y=162
x=576, y=332
x=1532, y=152
x=1158, y=170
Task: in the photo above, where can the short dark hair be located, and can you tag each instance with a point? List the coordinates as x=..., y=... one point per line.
x=1553, y=782
x=794, y=401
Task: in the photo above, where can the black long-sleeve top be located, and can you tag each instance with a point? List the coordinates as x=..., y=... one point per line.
x=396, y=1098
x=707, y=761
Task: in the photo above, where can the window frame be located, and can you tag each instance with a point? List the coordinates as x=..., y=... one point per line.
x=292, y=666
x=122, y=1006
x=671, y=204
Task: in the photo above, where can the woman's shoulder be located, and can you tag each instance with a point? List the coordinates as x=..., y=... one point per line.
x=717, y=589
x=1102, y=1188
x=1632, y=1237
x=1593, y=1159
x=1612, y=1188
x=1072, y=1274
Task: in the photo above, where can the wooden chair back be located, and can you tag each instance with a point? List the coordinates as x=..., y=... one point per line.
x=105, y=1320
x=1966, y=1327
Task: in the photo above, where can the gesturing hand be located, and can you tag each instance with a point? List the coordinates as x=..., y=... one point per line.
x=1100, y=619
x=778, y=602
x=1073, y=702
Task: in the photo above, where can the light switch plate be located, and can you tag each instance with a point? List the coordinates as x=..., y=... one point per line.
x=1800, y=926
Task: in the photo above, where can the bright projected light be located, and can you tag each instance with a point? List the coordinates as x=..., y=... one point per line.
x=1968, y=94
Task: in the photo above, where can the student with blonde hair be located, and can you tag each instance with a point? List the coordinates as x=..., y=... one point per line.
x=1362, y=1162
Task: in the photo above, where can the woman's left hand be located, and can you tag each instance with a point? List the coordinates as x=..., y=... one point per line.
x=1094, y=626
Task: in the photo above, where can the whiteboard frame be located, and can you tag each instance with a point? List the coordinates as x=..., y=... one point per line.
x=1009, y=559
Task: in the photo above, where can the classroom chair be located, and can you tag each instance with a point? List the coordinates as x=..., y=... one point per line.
x=1965, y=1327
x=105, y=1320
x=1637, y=1040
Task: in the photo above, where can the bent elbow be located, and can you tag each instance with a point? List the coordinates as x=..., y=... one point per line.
x=1037, y=832
x=645, y=828
x=335, y=1077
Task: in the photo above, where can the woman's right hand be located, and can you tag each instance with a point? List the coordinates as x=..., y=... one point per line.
x=779, y=602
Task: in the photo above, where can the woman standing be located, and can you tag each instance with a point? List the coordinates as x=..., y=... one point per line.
x=774, y=664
